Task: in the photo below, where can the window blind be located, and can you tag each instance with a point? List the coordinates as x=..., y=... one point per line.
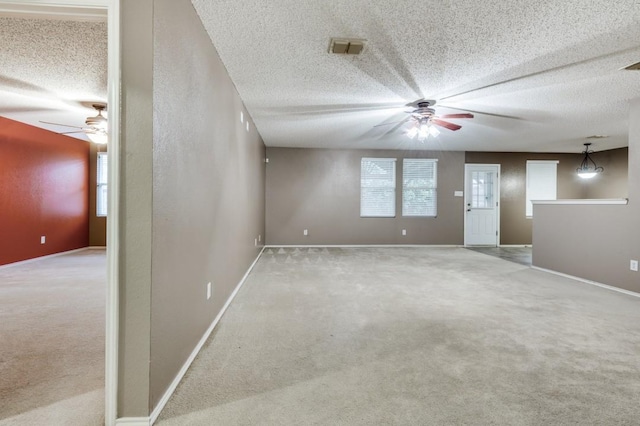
x=378, y=187
x=101, y=178
x=419, y=187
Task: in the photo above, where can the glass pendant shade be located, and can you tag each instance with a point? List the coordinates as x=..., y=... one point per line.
x=98, y=137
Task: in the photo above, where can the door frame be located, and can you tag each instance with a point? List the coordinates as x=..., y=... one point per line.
x=498, y=207
x=43, y=7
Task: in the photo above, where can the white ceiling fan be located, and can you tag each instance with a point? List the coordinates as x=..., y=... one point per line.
x=96, y=129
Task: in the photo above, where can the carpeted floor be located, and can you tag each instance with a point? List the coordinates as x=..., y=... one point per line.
x=52, y=341
x=414, y=336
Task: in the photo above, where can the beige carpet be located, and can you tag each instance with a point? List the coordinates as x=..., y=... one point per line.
x=414, y=336
x=52, y=341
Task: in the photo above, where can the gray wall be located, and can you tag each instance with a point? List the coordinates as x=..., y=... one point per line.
x=613, y=182
x=515, y=228
x=136, y=177
x=319, y=190
x=193, y=192
x=594, y=242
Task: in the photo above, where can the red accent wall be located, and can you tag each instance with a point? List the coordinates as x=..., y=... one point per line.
x=44, y=180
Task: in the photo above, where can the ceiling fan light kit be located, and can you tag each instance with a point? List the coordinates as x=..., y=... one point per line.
x=98, y=137
x=588, y=168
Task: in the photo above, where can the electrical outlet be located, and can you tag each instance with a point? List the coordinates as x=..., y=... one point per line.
x=255, y=242
x=259, y=237
x=208, y=291
x=305, y=232
x=43, y=239
x=404, y=232
x=633, y=265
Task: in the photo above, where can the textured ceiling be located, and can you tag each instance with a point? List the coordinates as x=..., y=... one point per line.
x=540, y=76
x=52, y=70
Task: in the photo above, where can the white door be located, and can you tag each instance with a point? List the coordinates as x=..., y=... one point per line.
x=482, y=205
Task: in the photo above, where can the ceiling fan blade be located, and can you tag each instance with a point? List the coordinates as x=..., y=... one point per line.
x=465, y=115
x=328, y=109
x=483, y=113
x=446, y=124
x=394, y=128
x=392, y=122
x=69, y=133
x=59, y=124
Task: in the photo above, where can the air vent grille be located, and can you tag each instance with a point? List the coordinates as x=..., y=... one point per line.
x=346, y=46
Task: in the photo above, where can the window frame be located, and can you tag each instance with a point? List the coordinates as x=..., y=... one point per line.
x=102, y=186
x=528, y=187
x=433, y=187
x=392, y=207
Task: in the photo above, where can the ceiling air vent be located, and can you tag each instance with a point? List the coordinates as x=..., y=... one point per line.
x=633, y=67
x=346, y=46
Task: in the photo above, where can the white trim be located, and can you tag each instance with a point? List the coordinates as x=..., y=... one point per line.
x=90, y=4
x=361, y=245
x=543, y=161
x=498, y=207
x=133, y=421
x=56, y=12
x=607, y=201
x=515, y=245
x=583, y=280
x=48, y=256
x=172, y=387
x=113, y=209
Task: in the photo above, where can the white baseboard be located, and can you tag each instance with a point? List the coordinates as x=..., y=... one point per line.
x=515, y=245
x=133, y=421
x=597, y=284
x=48, y=256
x=165, y=398
x=361, y=245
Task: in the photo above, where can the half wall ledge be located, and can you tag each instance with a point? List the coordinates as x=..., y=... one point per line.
x=607, y=201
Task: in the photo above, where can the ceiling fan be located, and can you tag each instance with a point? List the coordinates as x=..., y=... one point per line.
x=96, y=129
x=424, y=120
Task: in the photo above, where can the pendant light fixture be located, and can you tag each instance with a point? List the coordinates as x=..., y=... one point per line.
x=588, y=168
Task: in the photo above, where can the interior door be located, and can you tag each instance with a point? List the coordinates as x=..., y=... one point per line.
x=482, y=205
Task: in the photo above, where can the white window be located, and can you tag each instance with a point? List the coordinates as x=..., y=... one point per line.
x=419, y=187
x=378, y=187
x=101, y=192
x=542, y=182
